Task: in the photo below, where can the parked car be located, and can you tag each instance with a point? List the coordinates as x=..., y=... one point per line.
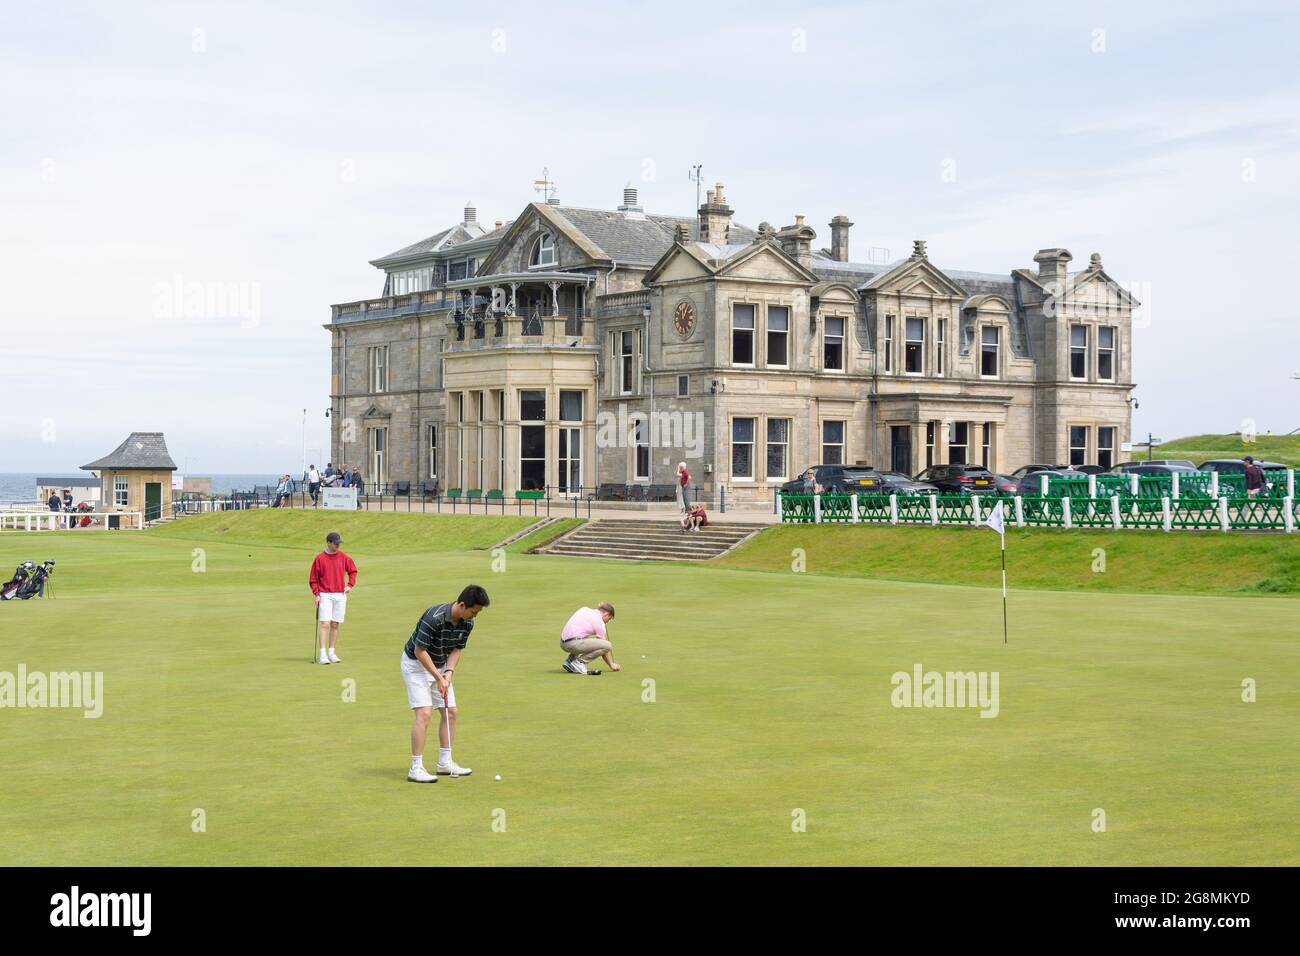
x=842, y=478
x=959, y=479
x=1157, y=468
x=897, y=483
x=1005, y=484
x=1235, y=466
x=1031, y=484
x=1128, y=466
x=1089, y=469
x=1020, y=472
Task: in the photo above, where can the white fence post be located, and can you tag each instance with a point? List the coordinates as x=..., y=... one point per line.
x=1042, y=486
x=1065, y=511
x=1214, y=484
x=1020, y=512
x=934, y=510
x=1166, y=514
x=856, y=518
x=1288, y=514
x=975, y=510
x=1114, y=512
x=817, y=509
x=1223, y=514
x=1133, y=483
x=1176, y=495
x=893, y=509
x=1290, y=483
x=1092, y=486
x=779, y=506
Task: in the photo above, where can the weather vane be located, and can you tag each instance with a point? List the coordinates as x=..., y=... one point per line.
x=544, y=185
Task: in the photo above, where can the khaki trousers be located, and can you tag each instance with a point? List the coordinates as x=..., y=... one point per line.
x=587, y=649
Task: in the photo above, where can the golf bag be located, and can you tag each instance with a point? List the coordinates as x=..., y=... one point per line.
x=33, y=585
x=10, y=589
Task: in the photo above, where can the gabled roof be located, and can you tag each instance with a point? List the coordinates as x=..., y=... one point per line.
x=438, y=242
x=140, y=450
x=719, y=259
x=637, y=241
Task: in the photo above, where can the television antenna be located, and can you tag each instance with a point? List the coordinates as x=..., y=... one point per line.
x=696, y=175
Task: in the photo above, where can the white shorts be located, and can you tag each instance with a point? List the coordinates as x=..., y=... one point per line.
x=332, y=606
x=421, y=688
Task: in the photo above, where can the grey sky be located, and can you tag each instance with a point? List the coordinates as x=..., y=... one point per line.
x=283, y=146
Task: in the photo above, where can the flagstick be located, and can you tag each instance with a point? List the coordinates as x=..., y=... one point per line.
x=1003, y=536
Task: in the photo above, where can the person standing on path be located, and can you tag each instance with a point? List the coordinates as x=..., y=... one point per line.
x=683, y=488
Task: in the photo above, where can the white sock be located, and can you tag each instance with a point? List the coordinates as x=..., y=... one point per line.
x=417, y=761
x=444, y=755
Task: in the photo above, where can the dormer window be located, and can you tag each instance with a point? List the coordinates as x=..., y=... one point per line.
x=543, y=251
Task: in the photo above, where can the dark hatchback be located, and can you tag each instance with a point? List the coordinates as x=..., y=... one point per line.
x=960, y=479
x=897, y=483
x=838, y=478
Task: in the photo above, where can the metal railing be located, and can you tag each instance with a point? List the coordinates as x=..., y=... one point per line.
x=71, y=520
x=1193, y=513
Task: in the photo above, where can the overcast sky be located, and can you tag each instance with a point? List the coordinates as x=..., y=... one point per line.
x=276, y=148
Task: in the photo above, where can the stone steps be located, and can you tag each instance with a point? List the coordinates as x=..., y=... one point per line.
x=637, y=540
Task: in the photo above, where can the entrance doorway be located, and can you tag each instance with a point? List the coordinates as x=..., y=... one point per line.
x=900, y=448
x=152, y=501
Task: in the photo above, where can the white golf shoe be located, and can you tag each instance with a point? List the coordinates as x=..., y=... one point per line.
x=323, y=658
x=420, y=775
x=575, y=666
x=453, y=769
x=334, y=658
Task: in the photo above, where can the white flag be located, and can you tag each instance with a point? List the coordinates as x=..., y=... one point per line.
x=995, y=519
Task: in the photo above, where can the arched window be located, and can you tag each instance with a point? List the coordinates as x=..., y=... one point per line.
x=543, y=251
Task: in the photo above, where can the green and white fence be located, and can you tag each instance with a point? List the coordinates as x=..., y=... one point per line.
x=1187, y=512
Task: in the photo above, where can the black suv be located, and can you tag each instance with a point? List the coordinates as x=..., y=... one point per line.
x=837, y=478
x=960, y=479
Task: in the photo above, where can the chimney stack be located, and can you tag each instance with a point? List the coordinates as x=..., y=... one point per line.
x=840, y=238
x=554, y=199
x=797, y=241
x=471, y=214
x=715, y=218
x=1053, y=266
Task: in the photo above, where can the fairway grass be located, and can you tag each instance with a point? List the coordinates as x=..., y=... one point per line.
x=771, y=695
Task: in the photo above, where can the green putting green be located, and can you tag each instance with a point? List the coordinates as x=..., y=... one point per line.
x=771, y=708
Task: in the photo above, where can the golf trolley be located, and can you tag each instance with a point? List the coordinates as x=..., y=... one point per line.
x=30, y=580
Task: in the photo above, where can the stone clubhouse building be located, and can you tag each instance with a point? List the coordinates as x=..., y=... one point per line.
x=571, y=348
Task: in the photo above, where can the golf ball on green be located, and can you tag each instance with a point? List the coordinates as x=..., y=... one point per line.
x=498, y=776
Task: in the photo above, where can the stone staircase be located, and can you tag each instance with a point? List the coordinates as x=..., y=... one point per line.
x=650, y=540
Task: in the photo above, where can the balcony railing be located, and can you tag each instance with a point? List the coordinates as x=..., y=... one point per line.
x=622, y=303
x=529, y=325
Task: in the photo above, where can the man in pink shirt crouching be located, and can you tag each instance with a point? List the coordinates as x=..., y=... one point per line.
x=584, y=639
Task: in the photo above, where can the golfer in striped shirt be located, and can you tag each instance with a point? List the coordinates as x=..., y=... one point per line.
x=429, y=661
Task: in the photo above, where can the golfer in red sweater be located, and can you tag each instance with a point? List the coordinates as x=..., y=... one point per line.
x=333, y=575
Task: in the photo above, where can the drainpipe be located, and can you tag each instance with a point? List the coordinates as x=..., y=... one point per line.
x=1033, y=389
x=875, y=354
x=645, y=362
x=610, y=273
